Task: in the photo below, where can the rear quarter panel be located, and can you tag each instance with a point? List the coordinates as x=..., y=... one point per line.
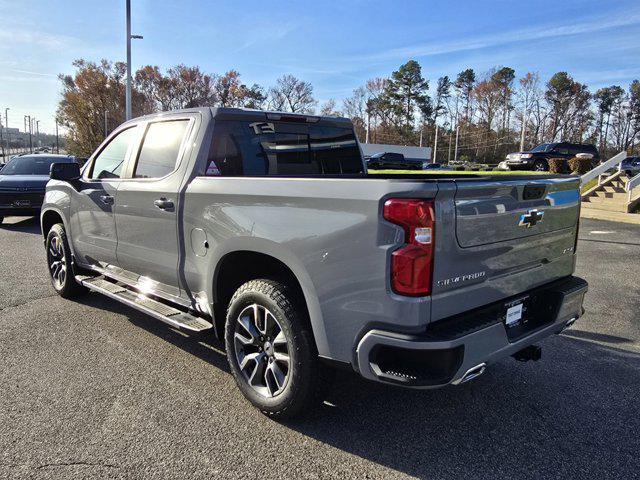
x=327, y=231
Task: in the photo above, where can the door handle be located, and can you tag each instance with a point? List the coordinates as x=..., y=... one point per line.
x=106, y=199
x=163, y=204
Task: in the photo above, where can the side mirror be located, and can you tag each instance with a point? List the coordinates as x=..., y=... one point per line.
x=66, y=172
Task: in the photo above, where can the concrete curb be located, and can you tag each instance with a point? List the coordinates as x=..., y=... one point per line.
x=595, y=214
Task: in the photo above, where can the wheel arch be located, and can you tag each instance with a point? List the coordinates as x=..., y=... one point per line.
x=48, y=218
x=236, y=267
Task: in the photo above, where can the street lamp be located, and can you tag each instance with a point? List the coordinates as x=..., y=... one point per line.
x=2, y=141
x=6, y=125
x=129, y=37
x=28, y=118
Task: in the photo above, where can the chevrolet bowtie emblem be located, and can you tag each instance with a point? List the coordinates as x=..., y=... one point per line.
x=531, y=218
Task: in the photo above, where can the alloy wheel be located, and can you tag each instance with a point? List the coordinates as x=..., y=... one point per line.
x=57, y=262
x=262, y=350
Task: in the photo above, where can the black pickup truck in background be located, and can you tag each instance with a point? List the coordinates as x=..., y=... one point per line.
x=393, y=161
x=537, y=158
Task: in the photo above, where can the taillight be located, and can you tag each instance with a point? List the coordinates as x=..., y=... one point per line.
x=412, y=264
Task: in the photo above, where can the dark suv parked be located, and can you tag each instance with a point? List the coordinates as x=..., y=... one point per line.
x=536, y=158
x=22, y=183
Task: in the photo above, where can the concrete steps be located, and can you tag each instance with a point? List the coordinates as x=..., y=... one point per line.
x=622, y=208
x=611, y=197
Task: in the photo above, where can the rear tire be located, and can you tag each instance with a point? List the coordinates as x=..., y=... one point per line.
x=540, y=166
x=270, y=348
x=60, y=264
x=1, y=219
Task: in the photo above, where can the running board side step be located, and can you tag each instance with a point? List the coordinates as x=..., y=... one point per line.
x=158, y=310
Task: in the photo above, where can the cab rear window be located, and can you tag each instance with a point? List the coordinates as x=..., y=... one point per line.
x=280, y=148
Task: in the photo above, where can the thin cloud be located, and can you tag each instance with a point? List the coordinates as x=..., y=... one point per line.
x=528, y=34
x=39, y=74
x=267, y=32
x=48, y=41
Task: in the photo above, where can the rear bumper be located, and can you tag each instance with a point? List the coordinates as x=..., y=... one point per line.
x=452, y=348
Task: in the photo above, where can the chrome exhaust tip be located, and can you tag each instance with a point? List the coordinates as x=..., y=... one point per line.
x=570, y=322
x=472, y=373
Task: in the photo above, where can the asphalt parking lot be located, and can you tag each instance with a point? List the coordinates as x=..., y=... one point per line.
x=93, y=389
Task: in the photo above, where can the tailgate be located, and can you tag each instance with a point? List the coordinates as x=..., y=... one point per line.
x=499, y=238
x=497, y=211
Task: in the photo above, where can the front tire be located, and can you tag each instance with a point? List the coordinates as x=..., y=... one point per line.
x=1, y=219
x=270, y=348
x=60, y=265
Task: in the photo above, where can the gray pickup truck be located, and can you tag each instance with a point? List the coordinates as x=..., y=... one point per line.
x=266, y=228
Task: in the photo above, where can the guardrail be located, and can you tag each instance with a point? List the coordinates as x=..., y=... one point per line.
x=614, y=161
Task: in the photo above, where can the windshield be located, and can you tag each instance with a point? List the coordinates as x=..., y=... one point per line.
x=30, y=165
x=545, y=147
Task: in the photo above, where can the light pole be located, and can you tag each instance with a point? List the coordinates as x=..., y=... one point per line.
x=2, y=141
x=38, y=132
x=129, y=37
x=6, y=125
x=27, y=118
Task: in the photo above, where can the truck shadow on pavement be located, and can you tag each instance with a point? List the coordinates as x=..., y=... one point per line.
x=574, y=414
x=202, y=345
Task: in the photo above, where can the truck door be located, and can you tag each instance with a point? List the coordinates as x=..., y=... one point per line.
x=146, y=211
x=92, y=205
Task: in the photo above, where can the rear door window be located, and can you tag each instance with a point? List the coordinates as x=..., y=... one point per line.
x=160, y=149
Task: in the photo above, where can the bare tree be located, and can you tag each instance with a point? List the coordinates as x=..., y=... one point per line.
x=191, y=87
x=328, y=109
x=292, y=95
x=355, y=107
x=527, y=96
x=229, y=91
x=157, y=88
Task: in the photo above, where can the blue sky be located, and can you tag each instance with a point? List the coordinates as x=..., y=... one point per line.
x=336, y=45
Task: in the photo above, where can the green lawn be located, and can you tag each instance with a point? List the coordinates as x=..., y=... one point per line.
x=590, y=184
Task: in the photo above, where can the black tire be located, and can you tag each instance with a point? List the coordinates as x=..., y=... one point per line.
x=299, y=387
x=1, y=219
x=540, y=166
x=60, y=265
